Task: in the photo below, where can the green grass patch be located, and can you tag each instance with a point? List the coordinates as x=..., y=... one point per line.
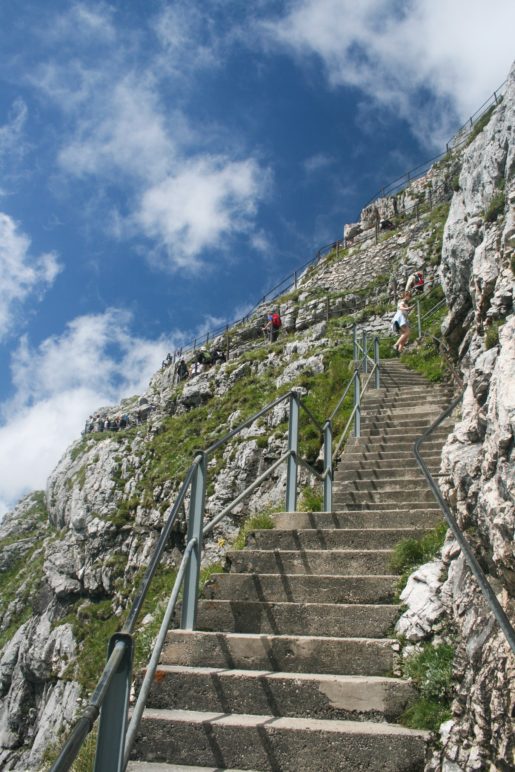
x=206, y=574
x=431, y=672
x=253, y=523
x=496, y=207
x=492, y=333
x=311, y=500
x=409, y=554
x=480, y=124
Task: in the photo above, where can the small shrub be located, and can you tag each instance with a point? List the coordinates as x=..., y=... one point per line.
x=495, y=207
x=492, y=334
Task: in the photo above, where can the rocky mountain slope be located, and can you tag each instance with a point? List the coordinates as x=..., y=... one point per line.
x=70, y=557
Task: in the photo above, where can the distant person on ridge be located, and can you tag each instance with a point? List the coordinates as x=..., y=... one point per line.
x=415, y=283
x=182, y=370
x=400, y=322
x=272, y=327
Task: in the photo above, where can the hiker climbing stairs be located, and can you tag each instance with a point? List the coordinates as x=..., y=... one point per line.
x=290, y=667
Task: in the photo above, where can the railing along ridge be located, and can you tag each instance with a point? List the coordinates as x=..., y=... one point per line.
x=459, y=137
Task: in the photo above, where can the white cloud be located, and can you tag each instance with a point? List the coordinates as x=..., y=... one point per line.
x=206, y=201
x=23, y=276
x=82, y=23
x=456, y=53
x=317, y=163
x=12, y=144
x=96, y=361
x=124, y=134
x=184, y=32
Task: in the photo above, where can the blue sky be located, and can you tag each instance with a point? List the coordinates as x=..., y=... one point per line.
x=162, y=164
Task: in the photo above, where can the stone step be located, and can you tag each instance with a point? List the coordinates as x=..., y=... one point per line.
x=281, y=694
x=378, y=403
x=386, y=458
x=402, y=497
x=399, y=457
x=376, y=444
x=381, y=466
x=356, y=473
x=381, y=485
x=336, y=620
x=288, y=653
x=343, y=562
x=299, y=588
x=332, y=538
x=150, y=766
x=272, y=743
x=412, y=419
x=385, y=518
x=349, y=505
x=407, y=433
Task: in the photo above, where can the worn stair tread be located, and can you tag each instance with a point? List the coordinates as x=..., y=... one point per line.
x=329, y=696
x=308, y=725
x=279, y=743
x=353, y=620
x=160, y=766
x=326, y=588
x=290, y=653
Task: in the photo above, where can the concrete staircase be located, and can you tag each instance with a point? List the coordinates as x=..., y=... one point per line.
x=291, y=665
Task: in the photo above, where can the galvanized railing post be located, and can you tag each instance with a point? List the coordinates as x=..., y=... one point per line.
x=293, y=445
x=377, y=362
x=365, y=352
x=115, y=707
x=328, y=467
x=195, y=525
x=357, y=404
x=354, y=343
x=419, y=319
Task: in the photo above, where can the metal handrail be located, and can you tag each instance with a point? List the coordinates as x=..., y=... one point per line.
x=209, y=527
x=484, y=585
x=158, y=551
x=247, y=422
x=146, y=685
x=355, y=410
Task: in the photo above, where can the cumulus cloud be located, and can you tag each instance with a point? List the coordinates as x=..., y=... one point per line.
x=207, y=200
x=23, y=275
x=124, y=134
x=185, y=203
x=96, y=361
x=431, y=60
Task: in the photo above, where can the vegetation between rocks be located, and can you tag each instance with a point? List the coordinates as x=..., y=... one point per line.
x=409, y=554
x=430, y=669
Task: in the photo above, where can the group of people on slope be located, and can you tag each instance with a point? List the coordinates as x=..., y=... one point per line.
x=201, y=360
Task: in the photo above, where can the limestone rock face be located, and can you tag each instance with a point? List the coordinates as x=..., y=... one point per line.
x=478, y=459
